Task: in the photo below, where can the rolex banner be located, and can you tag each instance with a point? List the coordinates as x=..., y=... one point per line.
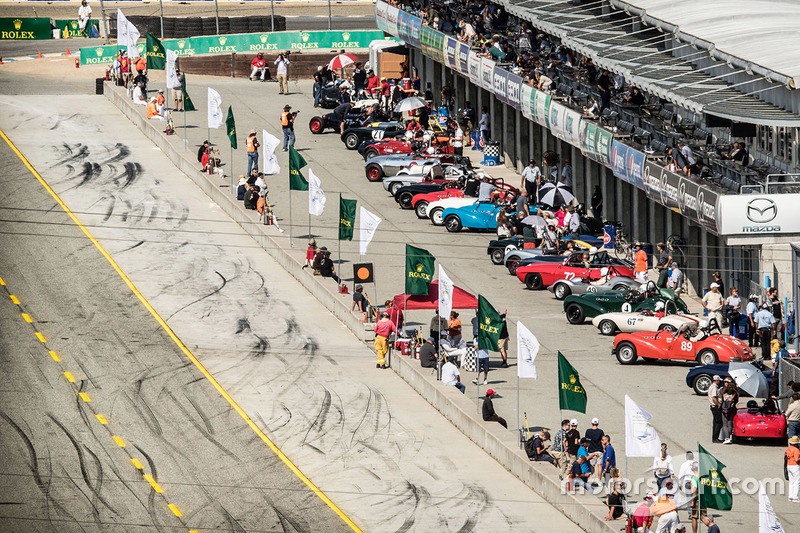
x=571, y=394
x=347, y=218
x=419, y=270
x=155, y=54
x=490, y=324
x=715, y=493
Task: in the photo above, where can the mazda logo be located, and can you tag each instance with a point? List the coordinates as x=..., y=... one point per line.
x=761, y=210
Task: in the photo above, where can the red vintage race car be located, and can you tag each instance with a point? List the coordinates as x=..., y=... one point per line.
x=754, y=422
x=690, y=343
x=541, y=275
x=420, y=201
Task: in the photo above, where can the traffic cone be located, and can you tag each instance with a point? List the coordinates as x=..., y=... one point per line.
x=68, y=52
x=40, y=54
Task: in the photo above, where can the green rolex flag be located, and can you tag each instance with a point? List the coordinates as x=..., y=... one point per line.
x=296, y=180
x=490, y=325
x=230, y=125
x=571, y=394
x=154, y=54
x=419, y=270
x=714, y=491
x=187, y=102
x=347, y=218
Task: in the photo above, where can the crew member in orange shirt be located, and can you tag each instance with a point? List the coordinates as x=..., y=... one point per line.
x=152, y=109
x=140, y=64
x=640, y=263
x=791, y=459
x=160, y=102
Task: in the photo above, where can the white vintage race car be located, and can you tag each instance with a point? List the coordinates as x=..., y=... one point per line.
x=611, y=323
x=435, y=209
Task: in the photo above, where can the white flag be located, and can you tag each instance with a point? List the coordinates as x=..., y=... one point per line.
x=173, y=82
x=445, y=294
x=214, y=109
x=270, y=143
x=767, y=519
x=367, y=225
x=316, y=196
x=127, y=35
x=527, y=348
x=641, y=439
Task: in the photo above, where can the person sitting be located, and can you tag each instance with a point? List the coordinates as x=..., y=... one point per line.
x=616, y=503
x=138, y=94
x=427, y=354
x=259, y=65
x=359, y=300
x=414, y=127
x=604, y=277
x=659, y=310
x=152, y=109
x=488, y=412
x=593, y=110
x=540, y=449
x=738, y=154
x=451, y=377
x=577, y=477
x=452, y=349
x=326, y=268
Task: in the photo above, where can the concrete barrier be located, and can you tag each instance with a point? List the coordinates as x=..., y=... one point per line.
x=585, y=510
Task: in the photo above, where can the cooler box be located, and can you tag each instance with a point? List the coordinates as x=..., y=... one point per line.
x=403, y=345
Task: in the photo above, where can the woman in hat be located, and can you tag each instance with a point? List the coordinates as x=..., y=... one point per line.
x=791, y=464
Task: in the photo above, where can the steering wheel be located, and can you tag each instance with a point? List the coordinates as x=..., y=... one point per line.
x=651, y=288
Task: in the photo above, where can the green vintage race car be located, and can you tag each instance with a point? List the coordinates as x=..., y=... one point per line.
x=578, y=307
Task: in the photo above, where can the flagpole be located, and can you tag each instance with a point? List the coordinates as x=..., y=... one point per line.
x=231, y=174
x=185, y=143
x=309, y=224
x=340, y=238
x=518, y=426
x=291, y=242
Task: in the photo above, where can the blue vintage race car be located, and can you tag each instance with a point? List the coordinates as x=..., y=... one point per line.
x=699, y=377
x=475, y=216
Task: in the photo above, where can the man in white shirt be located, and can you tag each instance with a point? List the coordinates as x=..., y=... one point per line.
x=84, y=14
x=282, y=72
x=484, y=124
x=676, y=279
x=574, y=224
x=458, y=140
x=685, y=477
x=712, y=302
x=531, y=179
x=138, y=95
x=451, y=377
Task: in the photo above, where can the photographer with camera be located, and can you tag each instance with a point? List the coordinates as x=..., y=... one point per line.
x=282, y=72
x=287, y=124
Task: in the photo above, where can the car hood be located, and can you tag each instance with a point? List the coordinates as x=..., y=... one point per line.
x=451, y=202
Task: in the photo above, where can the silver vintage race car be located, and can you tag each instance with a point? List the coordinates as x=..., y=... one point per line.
x=610, y=280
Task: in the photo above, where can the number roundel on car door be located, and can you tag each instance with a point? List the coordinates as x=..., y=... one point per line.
x=377, y=135
x=627, y=307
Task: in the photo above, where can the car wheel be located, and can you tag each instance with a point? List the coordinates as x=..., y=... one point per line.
x=701, y=384
x=667, y=327
x=707, y=357
x=575, y=314
x=607, y=327
x=405, y=200
x=497, y=256
x=452, y=223
x=316, y=125
x=351, y=141
x=394, y=187
x=374, y=172
x=512, y=264
x=620, y=287
x=534, y=281
x=436, y=216
x=561, y=291
x=369, y=153
x=421, y=209
x=626, y=353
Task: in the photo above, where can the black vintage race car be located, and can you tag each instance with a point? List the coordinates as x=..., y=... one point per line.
x=355, y=135
x=329, y=121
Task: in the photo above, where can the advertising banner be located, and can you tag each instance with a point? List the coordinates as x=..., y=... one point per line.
x=619, y=159
x=416, y=27
x=70, y=27
x=540, y=109
x=595, y=142
x=703, y=205
x=628, y=164
x=526, y=100
x=393, y=20
x=474, y=67
x=513, y=88
x=463, y=58
x=757, y=214
x=426, y=40
x=556, y=116
x=588, y=138
x=603, y=145
x=24, y=28
x=572, y=126
x=487, y=73
x=451, y=53
x=381, y=15
x=499, y=80
x=404, y=26
x=437, y=46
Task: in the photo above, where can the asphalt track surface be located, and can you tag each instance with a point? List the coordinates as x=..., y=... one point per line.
x=106, y=424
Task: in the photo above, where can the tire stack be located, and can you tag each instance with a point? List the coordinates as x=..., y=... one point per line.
x=182, y=27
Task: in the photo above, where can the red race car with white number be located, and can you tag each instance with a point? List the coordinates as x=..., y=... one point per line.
x=541, y=275
x=691, y=343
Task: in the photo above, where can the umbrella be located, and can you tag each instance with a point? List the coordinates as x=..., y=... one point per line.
x=410, y=103
x=555, y=195
x=749, y=379
x=341, y=61
x=535, y=221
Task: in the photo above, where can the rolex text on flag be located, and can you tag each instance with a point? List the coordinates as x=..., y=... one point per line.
x=490, y=325
x=571, y=394
x=715, y=493
x=419, y=270
x=347, y=218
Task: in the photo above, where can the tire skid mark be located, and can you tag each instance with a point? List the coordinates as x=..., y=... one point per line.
x=212, y=293
x=203, y=431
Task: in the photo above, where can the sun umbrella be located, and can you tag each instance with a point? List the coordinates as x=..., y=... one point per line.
x=555, y=195
x=750, y=379
x=409, y=104
x=341, y=61
x=535, y=221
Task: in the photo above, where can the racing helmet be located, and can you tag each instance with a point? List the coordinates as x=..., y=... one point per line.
x=604, y=271
x=659, y=306
x=593, y=250
x=703, y=324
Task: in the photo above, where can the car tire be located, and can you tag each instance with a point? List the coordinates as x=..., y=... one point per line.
x=620, y=287
x=421, y=209
x=701, y=384
x=369, y=153
x=316, y=125
x=534, y=281
x=374, y=172
x=512, y=264
x=497, y=256
x=394, y=187
x=405, y=200
x=351, y=141
x=436, y=216
x=575, y=314
x=561, y=291
x=607, y=328
x=452, y=223
x=667, y=327
x=707, y=357
x=626, y=353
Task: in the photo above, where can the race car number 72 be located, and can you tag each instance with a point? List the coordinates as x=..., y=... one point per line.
x=569, y=275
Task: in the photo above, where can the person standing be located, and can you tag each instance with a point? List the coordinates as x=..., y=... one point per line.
x=383, y=329
x=282, y=73
x=752, y=330
x=735, y=304
x=664, y=260
x=502, y=342
x=451, y=377
x=84, y=15
x=287, y=125
x=438, y=324
x=791, y=468
x=597, y=203
x=177, y=91
x=531, y=179
x=685, y=476
x=712, y=302
x=609, y=459
x=595, y=437
x=775, y=307
x=604, y=86
x=573, y=438
x=764, y=320
x=454, y=329
x=482, y=362
x=566, y=174
x=662, y=466
x=708, y=521
x=676, y=279
x=729, y=397
x=793, y=416
x=319, y=83
x=557, y=448
x=458, y=139
x=484, y=125
x=489, y=414
x=640, y=263
x=718, y=280
x=252, y=152
x=716, y=408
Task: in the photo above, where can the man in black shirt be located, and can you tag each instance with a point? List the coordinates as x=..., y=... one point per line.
x=359, y=300
x=427, y=354
x=576, y=476
x=340, y=112
x=573, y=439
x=604, y=86
x=616, y=503
x=540, y=448
x=488, y=410
x=597, y=203
x=326, y=268
x=595, y=436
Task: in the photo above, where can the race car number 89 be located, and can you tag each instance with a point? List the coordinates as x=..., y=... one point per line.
x=686, y=346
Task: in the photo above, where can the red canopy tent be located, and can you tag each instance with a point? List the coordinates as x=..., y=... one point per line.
x=461, y=299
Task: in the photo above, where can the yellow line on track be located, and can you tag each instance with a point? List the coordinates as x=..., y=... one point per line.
x=54, y=355
x=84, y=397
x=174, y=509
x=277, y=451
x=13, y=298
x=119, y=441
x=27, y=318
x=153, y=483
x=137, y=464
x=40, y=337
x=69, y=377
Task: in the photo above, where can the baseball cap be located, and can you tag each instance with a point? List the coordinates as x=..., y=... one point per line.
x=385, y=313
x=728, y=380
x=595, y=421
x=649, y=495
x=490, y=392
x=573, y=422
x=715, y=285
x=431, y=339
x=716, y=378
x=359, y=286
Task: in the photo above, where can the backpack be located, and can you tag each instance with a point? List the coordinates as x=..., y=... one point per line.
x=530, y=448
x=250, y=199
